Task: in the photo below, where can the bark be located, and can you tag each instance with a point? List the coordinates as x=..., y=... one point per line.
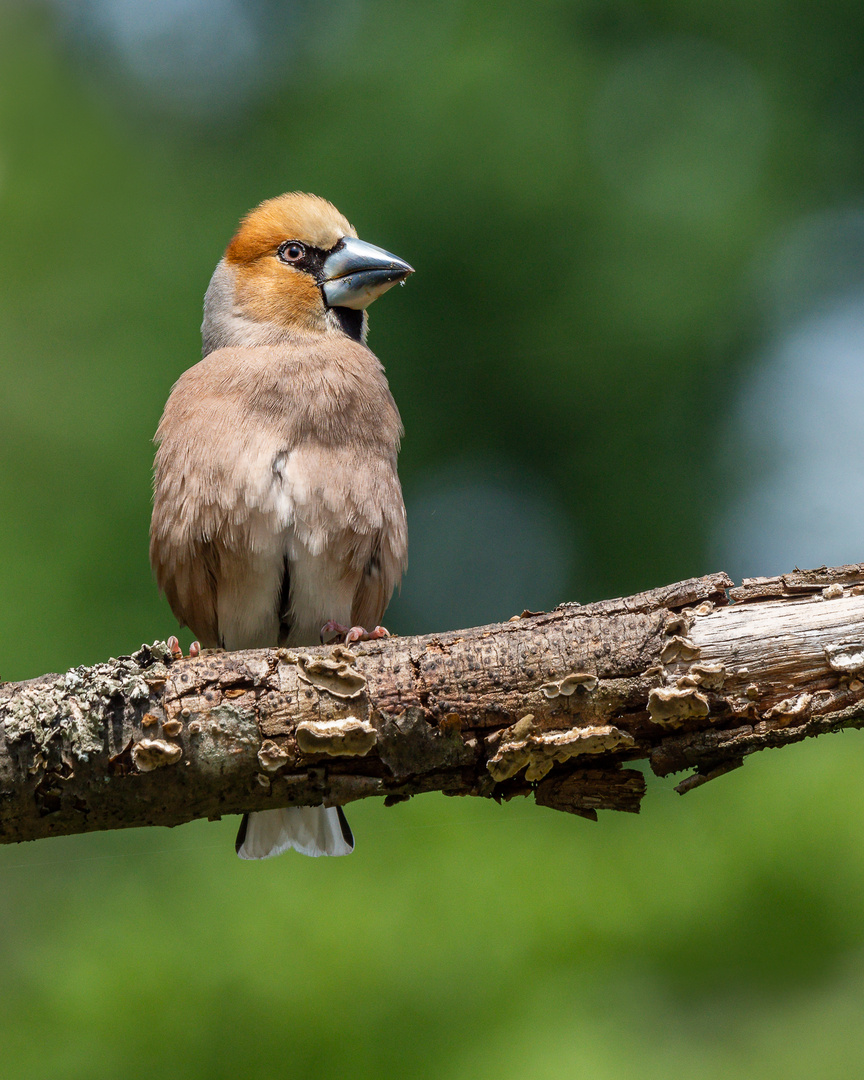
x=693, y=676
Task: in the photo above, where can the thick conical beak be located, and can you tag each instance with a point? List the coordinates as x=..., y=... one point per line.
x=356, y=272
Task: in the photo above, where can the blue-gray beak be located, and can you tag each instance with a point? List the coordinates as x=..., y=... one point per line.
x=355, y=273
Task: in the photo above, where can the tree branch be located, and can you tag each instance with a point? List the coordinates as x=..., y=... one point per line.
x=696, y=675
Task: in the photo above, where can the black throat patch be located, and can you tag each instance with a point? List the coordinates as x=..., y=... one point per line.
x=351, y=321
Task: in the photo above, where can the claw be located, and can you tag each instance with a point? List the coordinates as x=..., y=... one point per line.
x=357, y=633
x=349, y=634
x=177, y=653
x=333, y=628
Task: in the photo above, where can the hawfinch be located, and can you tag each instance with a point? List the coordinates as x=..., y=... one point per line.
x=278, y=514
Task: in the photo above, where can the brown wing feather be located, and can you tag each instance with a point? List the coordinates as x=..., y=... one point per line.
x=189, y=584
x=382, y=572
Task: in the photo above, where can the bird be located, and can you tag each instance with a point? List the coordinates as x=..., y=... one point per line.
x=278, y=515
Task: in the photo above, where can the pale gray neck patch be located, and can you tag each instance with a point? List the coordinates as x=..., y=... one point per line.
x=225, y=326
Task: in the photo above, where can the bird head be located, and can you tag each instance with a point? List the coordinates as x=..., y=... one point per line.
x=295, y=263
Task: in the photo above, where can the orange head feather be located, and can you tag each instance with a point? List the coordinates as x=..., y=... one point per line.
x=267, y=289
x=295, y=263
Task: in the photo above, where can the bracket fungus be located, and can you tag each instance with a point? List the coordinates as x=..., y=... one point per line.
x=570, y=684
x=846, y=656
x=150, y=754
x=272, y=756
x=349, y=737
x=526, y=747
x=671, y=705
x=334, y=674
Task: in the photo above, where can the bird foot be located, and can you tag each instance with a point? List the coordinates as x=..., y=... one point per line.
x=331, y=632
x=177, y=653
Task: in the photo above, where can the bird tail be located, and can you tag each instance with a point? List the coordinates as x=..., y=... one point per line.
x=311, y=830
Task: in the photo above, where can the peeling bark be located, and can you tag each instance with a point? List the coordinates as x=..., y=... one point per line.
x=692, y=676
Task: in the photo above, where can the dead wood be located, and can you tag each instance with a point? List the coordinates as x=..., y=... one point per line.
x=693, y=676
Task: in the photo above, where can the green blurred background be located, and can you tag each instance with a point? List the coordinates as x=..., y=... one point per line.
x=633, y=351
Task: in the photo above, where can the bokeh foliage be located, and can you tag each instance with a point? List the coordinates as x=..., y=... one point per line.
x=587, y=191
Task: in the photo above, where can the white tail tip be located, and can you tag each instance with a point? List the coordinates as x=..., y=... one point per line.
x=311, y=830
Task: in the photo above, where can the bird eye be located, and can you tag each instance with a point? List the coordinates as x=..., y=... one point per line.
x=291, y=251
